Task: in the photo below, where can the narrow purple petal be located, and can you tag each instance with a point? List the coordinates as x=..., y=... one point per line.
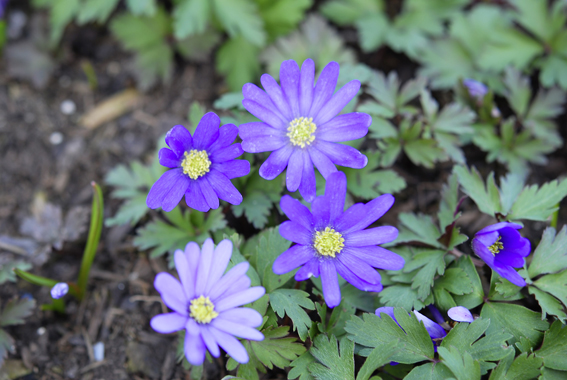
x=296, y=211
x=335, y=192
x=264, y=114
x=289, y=79
x=325, y=87
x=241, y=284
x=343, y=155
x=350, y=217
x=322, y=162
x=192, y=327
x=377, y=257
x=509, y=274
x=308, y=185
x=330, y=282
x=231, y=345
x=207, y=131
x=194, y=349
x=321, y=211
x=233, y=168
x=205, y=264
x=171, y=292
x=276, y=163
x=242, y=315
x=224, y=189
x=350, y=126
x=296, y=233
x=386, y=310
x=255, y=93
x=294, y=170
x=168, y=323
x=511, y=258
x=460, y=314
x=236, y=329
x=221, y=257
x=179, y=140
x=168, y=158
x=257, y=129
x=306, y=81
x=310, y=269
x=482, y=251
x=228, y=280
x=497, y=226
x=276, y=94
x=168, y=190
x=210, y=340
x=371, y=236
x=433, y=329
x=227, y=134
x=185, y=275
x=193, y=256
x=374, y=211
x=356, y=281
x=488, y=238
x=195, y=199
x=359, y=268
x=511, y=239
x=209, y=193
x=292, y=258
x=261, y=144
x=228, y=153
x=337, y=102
x=242, y=298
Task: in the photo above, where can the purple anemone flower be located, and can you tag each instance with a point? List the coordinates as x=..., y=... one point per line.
x=476, y=89
x=205, y=303
x=330, y=240
x=299, y=124
x=202, y=166
x=503, y=248
x=435, y=331
x=3, y=4
x=460, y=314
x=59, y=290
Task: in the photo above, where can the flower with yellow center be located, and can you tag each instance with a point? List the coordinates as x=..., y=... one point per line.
x=497, y=246
x=301, y=130
x=196, y=163
x=202, y=310
x=328, y=242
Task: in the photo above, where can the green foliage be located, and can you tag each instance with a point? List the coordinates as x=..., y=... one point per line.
x=13, y=313
x=379, y=332
x=282, y=16
x=237, y=60
x=368, y=183
x=259, y=198
x=462, y=366
x=7, y=270
x=523, y=367
x=291, y=302
x=332, y=364
x=268, y=246
x=142, y=7
x=550, y=256
x=539, y=202
x=299, y=367
x=554, y=348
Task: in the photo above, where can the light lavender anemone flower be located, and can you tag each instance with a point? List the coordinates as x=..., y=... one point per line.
x=59, y=290
x=476, y=89
x=300, y=125
x=460, y=314
x=205, y=303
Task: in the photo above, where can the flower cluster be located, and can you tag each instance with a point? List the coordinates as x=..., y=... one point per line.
x=205, y=302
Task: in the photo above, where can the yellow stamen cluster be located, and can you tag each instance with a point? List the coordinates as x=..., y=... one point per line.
x=202, y=310
x=196, y=163
x=329, y=242
x=301, y=130
x=497, y=246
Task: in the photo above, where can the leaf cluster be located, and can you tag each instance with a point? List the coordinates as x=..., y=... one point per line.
x=13, y=313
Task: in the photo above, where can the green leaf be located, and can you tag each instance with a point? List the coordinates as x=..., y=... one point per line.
x=190, y=17
x=256, y=207
x=476, y=297
x=142, y=7
x=336, y=322
x=378, y=332
x=431, y=263
x=15, y=311
x=333, y=364
x=7, y=270
x=462, y=366
x=551, y=374
x=275, y=350
x=510, y=187
x=270, y=245
x=419, y=228
x=554, y=348
x=299, y=367
x=240, y=18
x=430, y=371
x=552, y=70
x=291, y=302
x=282, y=16
x=554, y=284
x=403, y=296
x=96, y=10
x=372, y=30
x=454, y=118
x=61, y=14
x=466, y=338
x=550, y=256
x=486, y=198
x=424, y=152
x=524, y=367
x=237, y=60
x=546, y=106
x=376, y=359
x=448, y=212
x=368, y=183
x=6, y=345
x=539, y=203
x=516, y=320
x=549, y=304
x=454, y=281
x=346, y=12
x=518, y=91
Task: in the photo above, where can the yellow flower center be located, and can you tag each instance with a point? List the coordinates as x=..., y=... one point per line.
x=300, y=131
x=196, y=163
x=202, y=310
x=329, y=242
x=497, y=246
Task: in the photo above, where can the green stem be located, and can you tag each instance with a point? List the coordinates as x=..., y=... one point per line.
x=555, y=217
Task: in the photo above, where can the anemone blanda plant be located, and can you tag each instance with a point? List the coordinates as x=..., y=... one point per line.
x=205, y=303
x=201, y=165
x=502, y=248
x=330, y=240
x=435, y=331
x=300, y=125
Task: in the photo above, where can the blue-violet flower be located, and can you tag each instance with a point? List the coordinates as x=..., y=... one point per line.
x=300, y=127
x=460, y=314
x=503, y=248
x=476, y=89
x=59, y=290
x=330, y=240
x=205, y=303
x=3, y=4
x=435, y=331
x=202, y=166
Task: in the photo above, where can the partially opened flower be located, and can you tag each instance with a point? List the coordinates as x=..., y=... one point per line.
x=59, y=290
x=202, y=166
x=330, y=240
x=460, y=314
x=503, y=248
x=476, y=89
x=205, y=303
x=300, y=125
x=435, y=331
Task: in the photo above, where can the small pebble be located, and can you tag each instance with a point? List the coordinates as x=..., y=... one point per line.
x=41, y=331
x=56, y=138
x=98, y=350
x=68, y=107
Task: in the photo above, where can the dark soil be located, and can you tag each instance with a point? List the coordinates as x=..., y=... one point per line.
x=121, y=297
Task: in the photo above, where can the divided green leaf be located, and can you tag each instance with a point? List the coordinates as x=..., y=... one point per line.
x=291, y=302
